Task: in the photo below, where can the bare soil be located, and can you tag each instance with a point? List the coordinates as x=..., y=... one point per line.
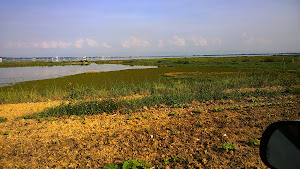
x=182, y=136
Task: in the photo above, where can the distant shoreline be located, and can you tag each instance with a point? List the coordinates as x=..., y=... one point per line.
x=95, y=58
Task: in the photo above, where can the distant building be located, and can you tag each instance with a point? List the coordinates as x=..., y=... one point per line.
x=0, y=60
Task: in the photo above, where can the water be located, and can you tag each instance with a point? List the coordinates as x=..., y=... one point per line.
x=95, y=58
x=9, y=76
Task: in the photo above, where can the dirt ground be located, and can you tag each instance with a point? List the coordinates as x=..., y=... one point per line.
x=179, y=136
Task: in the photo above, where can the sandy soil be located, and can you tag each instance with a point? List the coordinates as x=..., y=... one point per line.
x=188, y=137
x=12, y=111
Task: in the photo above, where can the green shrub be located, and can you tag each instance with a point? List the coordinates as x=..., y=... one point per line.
x=3, y=119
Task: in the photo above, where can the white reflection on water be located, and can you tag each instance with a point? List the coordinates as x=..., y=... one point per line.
x=9, y=76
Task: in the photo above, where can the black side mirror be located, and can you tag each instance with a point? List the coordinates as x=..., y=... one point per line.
x=280, y=145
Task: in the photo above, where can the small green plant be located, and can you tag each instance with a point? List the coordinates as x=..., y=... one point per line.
x=111, y=166
x=179, y=106
x=237, y=107
x=52, y=119
x=228, y=146
x=146, y=116
x=227, y=102
x=127, y=111
x=198, y=111
x=40, y=120
x=166, y=161
x=242, y=117
x=181, y=157
x=174, y=158
x=20, y=131
x=173, y=131
x=21, y=147
x=255, y=141
x=253, y=99
x=206, y=152
x=228, y=120
x=130, y=118
x=145, y=164
x=111, y=133
x=3, y=119
x=42, y=127
x=131, y=164
x=6, y=132
x=175, y=112
x=251, y=105
x=217, y=109
x=146, y=129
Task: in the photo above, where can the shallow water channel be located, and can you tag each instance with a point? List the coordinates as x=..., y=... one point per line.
x=10, y=76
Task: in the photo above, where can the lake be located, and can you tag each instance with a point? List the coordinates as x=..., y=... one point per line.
x=10, y=76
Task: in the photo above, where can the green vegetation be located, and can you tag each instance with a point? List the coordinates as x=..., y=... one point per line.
x=130, y=164
x=166, y=161
x=3, y=119
x=198, y=111
x=228, y=146
x=254, y=141
x=175, y=112
x=183, y=80
x=257, y=62
x=42, y=63
x=6, y=132
x=217, y=109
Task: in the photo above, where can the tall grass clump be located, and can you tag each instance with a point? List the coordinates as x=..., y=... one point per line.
x=3, y=119
x=33, y=95
x=72, y=92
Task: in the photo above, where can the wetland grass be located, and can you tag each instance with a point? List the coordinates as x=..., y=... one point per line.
x=173, y=94
x=187, y=80
x=42, y=63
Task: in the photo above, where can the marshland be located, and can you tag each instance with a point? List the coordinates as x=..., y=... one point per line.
x=183, y=112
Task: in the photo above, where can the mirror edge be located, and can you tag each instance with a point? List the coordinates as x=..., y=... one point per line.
x=266, y=137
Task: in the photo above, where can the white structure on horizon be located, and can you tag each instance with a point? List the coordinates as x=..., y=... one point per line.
x=0, y=60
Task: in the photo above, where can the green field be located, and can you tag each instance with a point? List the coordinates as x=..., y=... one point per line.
x=175, y=81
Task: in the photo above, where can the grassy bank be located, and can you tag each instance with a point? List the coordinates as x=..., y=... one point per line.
x=41, y=63
x=277, y=63
x=177, y=91
x=208, y=77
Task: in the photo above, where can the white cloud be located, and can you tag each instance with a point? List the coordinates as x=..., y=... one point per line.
x=199, y=41
x=106, y=45
x=78, y=43
x=91, y=42
x=62, y=44
x=216, y=41
x=52, y=44
x=135, y=42
x=45, y=45
x=177, y=41
x=161, y=44
x=250, y=40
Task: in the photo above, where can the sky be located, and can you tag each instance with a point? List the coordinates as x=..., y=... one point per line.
x=33, y=28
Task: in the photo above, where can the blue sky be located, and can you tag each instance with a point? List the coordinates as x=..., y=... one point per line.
x=144, y=27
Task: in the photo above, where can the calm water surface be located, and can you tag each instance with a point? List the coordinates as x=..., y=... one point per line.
x=9, y=76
